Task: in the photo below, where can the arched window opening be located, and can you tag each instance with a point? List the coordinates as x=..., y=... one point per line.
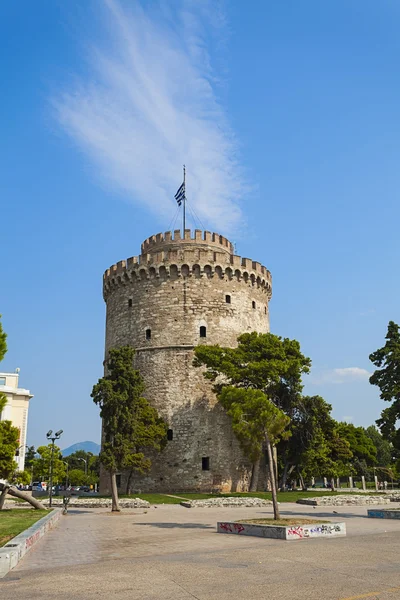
x=148, y=334
x=253, y=304
x=203, y=331
x=228, y=299
x=170, y=435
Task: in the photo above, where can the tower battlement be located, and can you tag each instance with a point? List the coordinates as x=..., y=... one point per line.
x=170, y=239
x=206, y=254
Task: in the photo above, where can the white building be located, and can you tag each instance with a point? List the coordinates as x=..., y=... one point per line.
x=16, y=410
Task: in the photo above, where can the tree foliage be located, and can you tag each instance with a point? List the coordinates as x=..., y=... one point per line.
x=253, y=416
x=315, y=447
x=258, y=381
x=76, y=462
x=21, y=477
x=384, y=448
x=387, y=378
x=3, y=342
x=9, y=440
x=41, y=465
x=131, y=426
x=77, y=477
x=3, y=350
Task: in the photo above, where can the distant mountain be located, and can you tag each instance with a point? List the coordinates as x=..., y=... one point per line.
x=86, y=446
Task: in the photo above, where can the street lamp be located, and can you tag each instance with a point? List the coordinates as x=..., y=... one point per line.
x=53, y=438
x=85, y=461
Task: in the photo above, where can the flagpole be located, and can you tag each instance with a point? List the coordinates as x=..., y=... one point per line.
x=184, y=201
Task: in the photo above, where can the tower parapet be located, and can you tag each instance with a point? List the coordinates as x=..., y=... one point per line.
x=172, y=239
x=201, y=255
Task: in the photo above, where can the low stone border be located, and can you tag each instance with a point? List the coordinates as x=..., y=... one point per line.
x=226, y=502
x=386, y=513
x=281, y=532
x=15, y=549
x=343, y=500
x=99, y=502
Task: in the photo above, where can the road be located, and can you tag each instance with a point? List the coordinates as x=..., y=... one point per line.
x=174, y=553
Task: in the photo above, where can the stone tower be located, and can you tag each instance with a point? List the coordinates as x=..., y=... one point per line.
x=181, y=292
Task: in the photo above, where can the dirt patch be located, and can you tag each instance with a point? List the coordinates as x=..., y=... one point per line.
x=282, y=522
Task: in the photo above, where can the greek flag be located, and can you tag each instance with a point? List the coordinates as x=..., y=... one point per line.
x=180, y=194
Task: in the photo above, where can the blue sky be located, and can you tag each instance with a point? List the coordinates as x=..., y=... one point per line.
x=286, y=114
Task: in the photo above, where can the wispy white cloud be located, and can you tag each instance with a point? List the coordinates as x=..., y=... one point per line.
x=347, y=419
x=341, y=375
x=367, y=312
x=150, y=104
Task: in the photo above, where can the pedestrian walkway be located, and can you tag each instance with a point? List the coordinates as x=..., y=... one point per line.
x=173, y=553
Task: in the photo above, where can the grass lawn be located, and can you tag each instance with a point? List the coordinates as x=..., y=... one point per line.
x=179, y=496
x=284, y=522
x=13, y=521
x=282, y=496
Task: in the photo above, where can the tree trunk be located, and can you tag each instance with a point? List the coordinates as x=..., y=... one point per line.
x=3, y=496
x=303, y=485
x=114, y=493
x=254, y=475
x=128, y=483
x=284, y=475
x=271, y=466
x=18, y=494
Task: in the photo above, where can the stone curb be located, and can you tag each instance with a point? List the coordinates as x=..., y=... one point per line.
x=232, y=502
x=385, y=513
x=100, y=503
x=15, y=549
x=281, y=532
x=343, y=500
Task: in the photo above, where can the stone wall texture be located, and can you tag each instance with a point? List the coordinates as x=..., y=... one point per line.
x=162, y=303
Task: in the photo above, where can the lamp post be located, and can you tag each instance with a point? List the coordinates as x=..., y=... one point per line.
x=53, y=438
x=85, y=461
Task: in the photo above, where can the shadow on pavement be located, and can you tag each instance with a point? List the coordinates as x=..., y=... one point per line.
x=178, y=525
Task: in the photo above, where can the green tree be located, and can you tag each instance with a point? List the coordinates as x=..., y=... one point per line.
x=9, y=440
x=263, y=362
x=3, y=342
x=22, y=477
x=3, y=350
x=361, y=446
x=384, y=448
x=126, y=415
x=307, y=450
x=9, y=437
x=150, y=435
x=387, y=378
x=41, y=465
x=30, y=457
x=77, y=477
x=257, y=423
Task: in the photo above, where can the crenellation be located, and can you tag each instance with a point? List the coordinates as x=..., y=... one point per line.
x=247, y=263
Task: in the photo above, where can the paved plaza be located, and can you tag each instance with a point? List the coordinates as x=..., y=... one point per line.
x=174, y=553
